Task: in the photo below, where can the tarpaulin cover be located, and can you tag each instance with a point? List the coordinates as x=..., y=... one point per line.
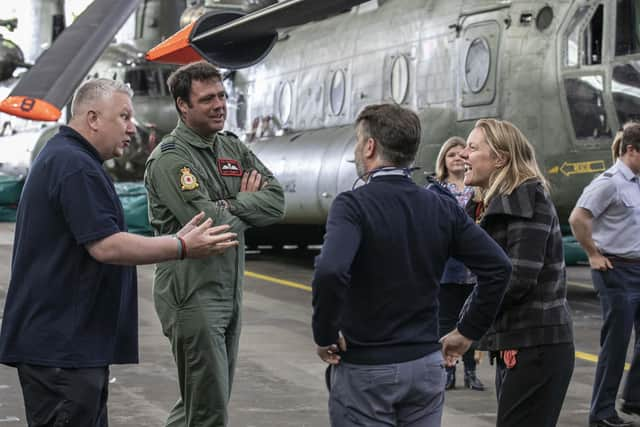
x=10, y=189
x=133, y=197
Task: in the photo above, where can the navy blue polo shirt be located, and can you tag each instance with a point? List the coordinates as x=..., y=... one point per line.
x=64, y=308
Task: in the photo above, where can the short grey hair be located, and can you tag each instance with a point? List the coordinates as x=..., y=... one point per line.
x=93, y=90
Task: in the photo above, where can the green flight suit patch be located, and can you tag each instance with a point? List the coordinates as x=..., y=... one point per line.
x=187, y=180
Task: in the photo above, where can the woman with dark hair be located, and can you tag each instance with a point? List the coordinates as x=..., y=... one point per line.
x=457, y=281
x=532, y=336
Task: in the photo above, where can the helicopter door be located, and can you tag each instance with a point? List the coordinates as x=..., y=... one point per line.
x=478, y=48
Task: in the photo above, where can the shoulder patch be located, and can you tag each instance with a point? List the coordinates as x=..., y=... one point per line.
x=167, y=146
x=229, y=133
x=187, y=180
x=607, y=174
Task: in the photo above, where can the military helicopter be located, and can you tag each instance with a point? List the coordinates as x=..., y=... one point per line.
x=567, y=73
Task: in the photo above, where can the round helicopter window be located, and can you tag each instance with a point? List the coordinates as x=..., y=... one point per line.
x=544, y=18
x=400, y=79
x=285, y=102
x=337, y=94
x=477, y=64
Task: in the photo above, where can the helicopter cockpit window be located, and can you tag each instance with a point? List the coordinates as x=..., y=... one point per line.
x=581, y=34
x=586, y=105
x=625, y=87
x=627, y=27
x=400, y=79
x=593, y=38
x=143, y=81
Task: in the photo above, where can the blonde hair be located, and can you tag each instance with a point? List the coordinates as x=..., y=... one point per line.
x=520, y=165
x=441, y=165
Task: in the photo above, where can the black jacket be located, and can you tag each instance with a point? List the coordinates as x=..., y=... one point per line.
x=534, y=310
x=377, y=277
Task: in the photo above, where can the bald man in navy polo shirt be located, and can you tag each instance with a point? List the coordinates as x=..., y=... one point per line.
x=71, y=308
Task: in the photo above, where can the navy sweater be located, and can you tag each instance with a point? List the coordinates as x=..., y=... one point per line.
x=377, y=276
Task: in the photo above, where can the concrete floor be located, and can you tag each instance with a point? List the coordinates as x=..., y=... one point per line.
x=279, y=380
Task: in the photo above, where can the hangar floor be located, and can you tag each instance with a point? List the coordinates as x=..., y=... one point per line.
x=279, y=380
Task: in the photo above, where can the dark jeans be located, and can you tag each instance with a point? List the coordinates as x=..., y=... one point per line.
x=64, y=397
x=619, y=293
x=452, y=297
x=532, y=392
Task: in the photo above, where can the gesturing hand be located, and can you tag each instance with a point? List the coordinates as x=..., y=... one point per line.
x=204, y=240
x=195, y=221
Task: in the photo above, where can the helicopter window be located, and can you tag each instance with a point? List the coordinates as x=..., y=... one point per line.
x=143, y=82
x=477, y=64
x=573, y=48
x=285, y=102
x=337, y=94
x=593, y=38
x=544, y=18
x=400, y=79
x=625, y=87
x=586, y=105
x=628, y=27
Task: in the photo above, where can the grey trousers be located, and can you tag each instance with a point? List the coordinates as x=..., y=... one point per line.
x=408, y=394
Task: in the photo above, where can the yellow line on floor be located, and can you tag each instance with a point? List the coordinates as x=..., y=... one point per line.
x=593, y=358
x=277, y=281
x=579, y=354
x=580, y=285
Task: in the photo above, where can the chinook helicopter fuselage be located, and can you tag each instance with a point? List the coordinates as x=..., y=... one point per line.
x=567, y=73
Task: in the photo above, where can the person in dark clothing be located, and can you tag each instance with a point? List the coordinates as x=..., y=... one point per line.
x=71, y=308
x=457, y=282
x=375, y=285
x=532, y=336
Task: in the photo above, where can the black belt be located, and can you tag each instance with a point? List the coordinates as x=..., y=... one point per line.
x=616, y=258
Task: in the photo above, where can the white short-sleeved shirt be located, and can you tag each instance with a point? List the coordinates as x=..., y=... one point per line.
x=613, y=198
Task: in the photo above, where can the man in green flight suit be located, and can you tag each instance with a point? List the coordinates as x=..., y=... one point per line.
x=197, y=167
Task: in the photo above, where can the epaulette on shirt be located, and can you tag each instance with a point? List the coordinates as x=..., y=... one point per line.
x=229, y=133
x=167, y=146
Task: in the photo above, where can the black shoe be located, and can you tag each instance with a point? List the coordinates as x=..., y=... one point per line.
x=451, y=379
x=630, y=409
x=612, y=421
x=471, y=381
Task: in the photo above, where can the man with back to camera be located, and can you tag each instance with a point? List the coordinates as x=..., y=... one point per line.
x=606, y=222
x=71, y=308
x=375, y=285
x=200, y=168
